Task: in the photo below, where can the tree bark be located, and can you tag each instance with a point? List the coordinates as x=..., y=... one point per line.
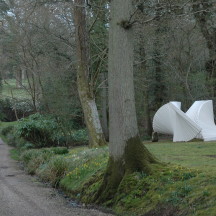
x=96, y=137
x=148, y=119
x=127, y=153
x=104, y=101
x=18, y=78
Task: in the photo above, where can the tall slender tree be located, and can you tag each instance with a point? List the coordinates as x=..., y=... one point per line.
x=86, y=94
x=159, y=89
x=127, y=153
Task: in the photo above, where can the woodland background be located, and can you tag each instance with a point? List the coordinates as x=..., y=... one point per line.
x=175, y=58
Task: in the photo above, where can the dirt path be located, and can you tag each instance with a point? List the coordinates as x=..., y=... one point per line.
x=22, y=195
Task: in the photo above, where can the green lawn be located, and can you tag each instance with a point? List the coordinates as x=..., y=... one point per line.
x=6, y=124
x=9, y=90
x=198, y=155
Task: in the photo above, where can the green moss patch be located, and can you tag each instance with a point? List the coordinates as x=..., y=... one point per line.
x=174, y=189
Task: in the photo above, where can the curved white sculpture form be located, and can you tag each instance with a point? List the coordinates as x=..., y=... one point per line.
x=201, y=112
x=170, y=119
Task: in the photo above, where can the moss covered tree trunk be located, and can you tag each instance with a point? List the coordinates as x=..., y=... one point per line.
x=127, y=153
x=96, y=137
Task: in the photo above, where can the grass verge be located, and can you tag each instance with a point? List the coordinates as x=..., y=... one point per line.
x=15, y=154
x=185, y=186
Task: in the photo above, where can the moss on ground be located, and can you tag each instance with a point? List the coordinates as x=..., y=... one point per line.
x=173, y=189
x=170, y=189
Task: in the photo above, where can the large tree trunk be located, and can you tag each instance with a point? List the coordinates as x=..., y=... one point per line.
x=96, y=137
x=127, y=153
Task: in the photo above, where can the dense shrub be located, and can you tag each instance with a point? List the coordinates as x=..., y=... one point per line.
x=40, y=130
x=37, y=131
x=9, y=135
x=8, y=106
x=6, y=130
x=7, y=113
x=13, y=140
x=46, y=131
x=79, y=137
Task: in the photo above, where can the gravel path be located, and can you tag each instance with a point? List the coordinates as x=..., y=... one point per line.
x=23, y=195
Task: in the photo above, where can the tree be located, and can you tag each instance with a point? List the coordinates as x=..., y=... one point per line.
x=98, y=54
x=204, y=15
x=127, y=153
x=159, y=89
x=86, y=94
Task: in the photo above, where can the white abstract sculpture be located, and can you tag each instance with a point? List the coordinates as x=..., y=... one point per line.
x=201, y=112
x=197, y=122
x=170, y=119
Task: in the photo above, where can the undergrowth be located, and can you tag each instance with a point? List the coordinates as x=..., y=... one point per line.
x=40, y=131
